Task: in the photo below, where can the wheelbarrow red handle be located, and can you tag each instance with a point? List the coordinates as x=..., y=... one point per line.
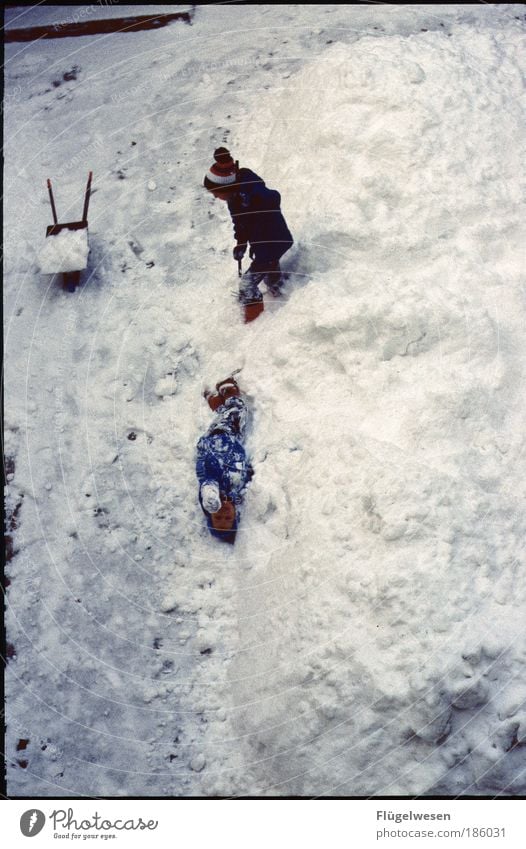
x=87, y=197
x=52, y=201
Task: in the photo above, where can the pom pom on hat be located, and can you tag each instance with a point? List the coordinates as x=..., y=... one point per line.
x=222, y=172
x=222, y=155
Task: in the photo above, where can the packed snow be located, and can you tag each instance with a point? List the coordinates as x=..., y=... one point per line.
x=65, y=251
x=365, y=635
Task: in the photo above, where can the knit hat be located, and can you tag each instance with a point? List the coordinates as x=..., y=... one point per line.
x=222, y=172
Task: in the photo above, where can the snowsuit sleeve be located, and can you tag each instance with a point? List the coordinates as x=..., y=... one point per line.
x=240, y=228
x=242, y=204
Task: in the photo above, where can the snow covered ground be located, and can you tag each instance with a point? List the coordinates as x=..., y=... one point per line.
x=365, y=636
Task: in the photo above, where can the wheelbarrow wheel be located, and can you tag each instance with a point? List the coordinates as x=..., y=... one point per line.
x=71, y=280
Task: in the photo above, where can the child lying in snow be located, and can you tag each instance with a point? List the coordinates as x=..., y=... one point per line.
x=222, y=467
x=258, y=221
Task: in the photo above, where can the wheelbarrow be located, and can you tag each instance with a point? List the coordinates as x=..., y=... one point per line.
x=66, y=250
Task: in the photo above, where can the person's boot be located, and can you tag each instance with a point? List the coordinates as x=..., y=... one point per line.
x=274, y=287
x=228, y=388
x=213, y=399
x=274, y=280
x=249, y=294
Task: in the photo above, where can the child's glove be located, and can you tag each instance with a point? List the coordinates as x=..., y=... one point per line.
x=239, y=252
x=210, y=497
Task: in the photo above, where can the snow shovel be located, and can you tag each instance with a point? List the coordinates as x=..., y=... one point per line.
x=66, y=252
x=252, y=310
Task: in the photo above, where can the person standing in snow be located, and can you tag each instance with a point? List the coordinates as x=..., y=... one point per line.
x=222, y=468
x=258, y=222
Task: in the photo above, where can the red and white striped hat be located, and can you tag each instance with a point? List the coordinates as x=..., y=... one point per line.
x=222, y=172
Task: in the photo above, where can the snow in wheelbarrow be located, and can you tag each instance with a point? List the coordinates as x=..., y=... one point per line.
x=66, y=249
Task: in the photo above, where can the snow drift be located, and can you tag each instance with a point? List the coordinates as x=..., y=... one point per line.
x=384, y=631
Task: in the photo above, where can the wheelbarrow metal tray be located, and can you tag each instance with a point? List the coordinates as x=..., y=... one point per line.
x=53, y=229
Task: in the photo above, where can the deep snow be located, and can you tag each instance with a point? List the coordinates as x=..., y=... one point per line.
x=366, y=634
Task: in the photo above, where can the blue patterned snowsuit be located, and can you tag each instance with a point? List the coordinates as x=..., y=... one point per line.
x=221, y=457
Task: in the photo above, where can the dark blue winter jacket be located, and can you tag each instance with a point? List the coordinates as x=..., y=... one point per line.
x=257, y=218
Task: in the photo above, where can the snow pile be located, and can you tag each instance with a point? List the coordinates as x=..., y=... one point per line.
x=65, y=251
x=384, y=626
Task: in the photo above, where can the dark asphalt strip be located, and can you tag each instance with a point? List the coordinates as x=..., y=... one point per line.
x=72, y=29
